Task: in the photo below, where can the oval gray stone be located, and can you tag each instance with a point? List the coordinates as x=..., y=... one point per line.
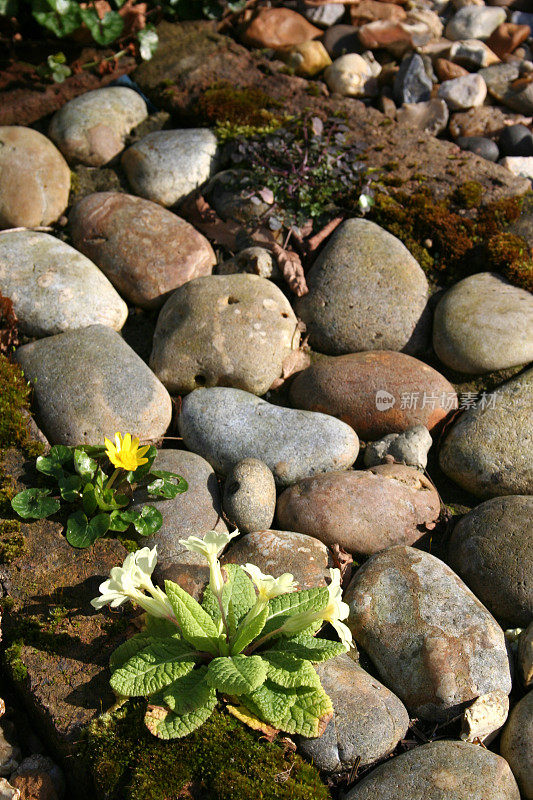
x=226, y=425
x=491, y=548
x=165, y=166
x=432, y=641
x=366, y=292
x=474, y=22
x=442, y=770
x=517, y=744
x=34, y=179
x=192, y=513
x=482, y=324
x=276, y=552
x=250, y=496
x=89, y=384
x=229, y=330
x=54, y=288
x=368, y=720
x=488, y=450
x=91, y=128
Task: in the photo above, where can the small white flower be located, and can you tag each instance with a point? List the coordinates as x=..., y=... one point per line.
x=268, y=586
x=209, y=547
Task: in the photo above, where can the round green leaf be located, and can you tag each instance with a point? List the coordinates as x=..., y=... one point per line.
x=82, y=533
x=69, y=487
x=89, y=499
x=84, y=464
x=35, y=504
x=99, y=526
x=149, y=521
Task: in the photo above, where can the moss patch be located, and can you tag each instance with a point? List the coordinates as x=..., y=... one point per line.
x=14, y=405
x=222, y=760
x=228, y=105
x=12, y=543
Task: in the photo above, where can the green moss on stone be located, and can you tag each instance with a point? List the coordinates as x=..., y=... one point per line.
x=469, y=194
x=222, y=760
x=14, y=405
x=13, y=659
x=12, y=544
x=510, y=255
x=247, y=106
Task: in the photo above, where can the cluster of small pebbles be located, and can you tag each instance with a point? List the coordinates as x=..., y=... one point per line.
x=337, y=457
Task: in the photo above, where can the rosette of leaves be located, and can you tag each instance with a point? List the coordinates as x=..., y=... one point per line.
x=233, y=651
x=97, y=503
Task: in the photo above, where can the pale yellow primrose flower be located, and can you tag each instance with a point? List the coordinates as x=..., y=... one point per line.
x=126, y=453
x=130, y=581
x=268, y=586
x=209, y=547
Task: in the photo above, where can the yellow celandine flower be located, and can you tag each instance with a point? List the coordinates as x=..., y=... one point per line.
x=126, y=453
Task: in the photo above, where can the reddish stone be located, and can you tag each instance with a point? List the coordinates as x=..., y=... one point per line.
x=278, y=27
x=507, y=37
x=447, y=70
x=372, y=10
x=357, y=386
x=384, y=33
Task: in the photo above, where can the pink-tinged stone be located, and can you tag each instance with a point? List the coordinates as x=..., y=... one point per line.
x=278, y=27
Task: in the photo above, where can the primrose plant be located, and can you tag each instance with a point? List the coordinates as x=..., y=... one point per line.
x=99, y=498
x=255, y=649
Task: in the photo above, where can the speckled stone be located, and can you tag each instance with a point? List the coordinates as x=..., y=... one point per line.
x=411, y=83
x=368, y=720
x=502, y=84
x=431, y=116
x=230, y=330
x=366, y=292
x=469, y=91
x=34, y=179
x=351, y=76
x=89, y=383
x=517, y=744
x=91, y=128
x=438, y=770
x=364, y=510
x=488, y=450
x=145, y=250
x=491, y=548
x=432, y=641
x=474, y=22
x=250, y=496
x=227, y=425
x=166, y=166
x=410, y=448
x=376, y=393
x=473, y=54
x=525, y=656
x=192, y=513
x=276, y=552
x=53, y=287
x=10, y=753
x=484, y=323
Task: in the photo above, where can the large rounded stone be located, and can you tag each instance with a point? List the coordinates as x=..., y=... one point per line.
x=517, y=744
x=276, y=552
x=492, y=550
x=54, y=288
x=502, y=83
x=34, y=179
x=226, y=425
x=250, y=496
x=145, y=250
x=192, y=513
x=89, y=383
x=229, y=330
x=474, y=22
x=488, y=450
x=91, y=128
x=442, y=770
x=364, y=511
x=368, y=720
x=366, y=292
x=482, y=324
x=432, y=641
x=166, y=166
x=376, y=392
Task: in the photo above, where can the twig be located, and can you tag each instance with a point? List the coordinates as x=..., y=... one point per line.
x=315, y=241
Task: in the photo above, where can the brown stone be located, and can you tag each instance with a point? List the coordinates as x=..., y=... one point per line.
x=447, y=70
x=363, y=511
x=34, y=179
x=351, y=387
x=278, y=27
x=276, y=552
x=372, y=10
x=35, y=785
x=307, y=59
x=386, y=34
x=485, y=121
x=507, y=37
x=145, y=250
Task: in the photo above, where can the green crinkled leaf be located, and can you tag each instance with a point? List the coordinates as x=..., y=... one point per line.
x=164, y=485
x=166, y=725
x=236, y=675
x=105, y=30
x=62, y=17
x=35, y=504
x=52, y=463
x=304, y=711
x=84, y=465
x=83, y=533
x=287, y=605
x=187, y=693
x=109, y=499
x=159, y=664
x=148, y=521
x=89, y=499
x=69, y=487
x=196, y=625
x=159, y=627
x=246, y=633
x=128, y=649
x=290, y=672
x=310, y=648
x=238, y=597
